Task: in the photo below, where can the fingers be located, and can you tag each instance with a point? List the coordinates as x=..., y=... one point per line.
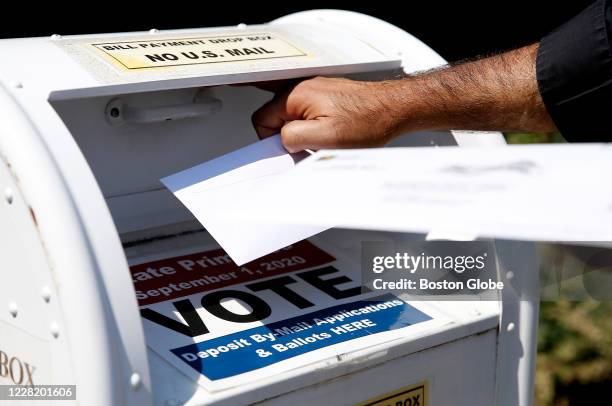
x=270, y=118
x=315, y=134
x=303, y=115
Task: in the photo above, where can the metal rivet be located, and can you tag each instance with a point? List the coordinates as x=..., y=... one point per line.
x=241, y=26
x=46, y=293
x=113, y=112
x=509, y=275
x=153, y=31
x=8, y=195
x=510, y=327
x=13, y=309
x=54, y=329
x=56, y=36
x=135, y=380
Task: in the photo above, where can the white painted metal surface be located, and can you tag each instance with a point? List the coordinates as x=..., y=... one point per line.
x=80, y=186
x=87, y=323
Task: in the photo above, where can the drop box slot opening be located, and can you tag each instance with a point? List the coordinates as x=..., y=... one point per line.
x=129, y=158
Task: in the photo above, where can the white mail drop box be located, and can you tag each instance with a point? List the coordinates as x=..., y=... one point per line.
x=108, y=283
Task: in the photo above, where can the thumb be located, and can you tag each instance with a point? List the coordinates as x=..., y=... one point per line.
x=271, y=117
x=298, y=135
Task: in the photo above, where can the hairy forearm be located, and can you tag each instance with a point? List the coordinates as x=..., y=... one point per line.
x=496, y=93
x=499, y=93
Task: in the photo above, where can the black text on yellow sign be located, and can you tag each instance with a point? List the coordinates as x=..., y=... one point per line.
x=144, y=54
x=414, y=395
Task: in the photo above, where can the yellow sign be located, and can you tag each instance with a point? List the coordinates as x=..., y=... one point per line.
x=415, y=395
x=144, y=54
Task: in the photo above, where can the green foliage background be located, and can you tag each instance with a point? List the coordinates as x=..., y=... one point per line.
x=574, y=363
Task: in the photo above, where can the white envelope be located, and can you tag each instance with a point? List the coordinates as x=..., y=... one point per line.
x=209, y=188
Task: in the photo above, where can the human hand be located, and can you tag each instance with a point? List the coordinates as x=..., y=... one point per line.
x=329, y=113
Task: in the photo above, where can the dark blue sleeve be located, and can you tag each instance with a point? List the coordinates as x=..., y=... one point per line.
x=574, y=71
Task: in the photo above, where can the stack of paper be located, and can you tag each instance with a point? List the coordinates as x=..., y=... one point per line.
x=535, y=192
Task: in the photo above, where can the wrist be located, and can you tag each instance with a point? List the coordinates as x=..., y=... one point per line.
x=403, y=105
x=385, y=109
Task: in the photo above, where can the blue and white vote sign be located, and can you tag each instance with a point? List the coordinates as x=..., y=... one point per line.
x=269, y=344
x=225, y=325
